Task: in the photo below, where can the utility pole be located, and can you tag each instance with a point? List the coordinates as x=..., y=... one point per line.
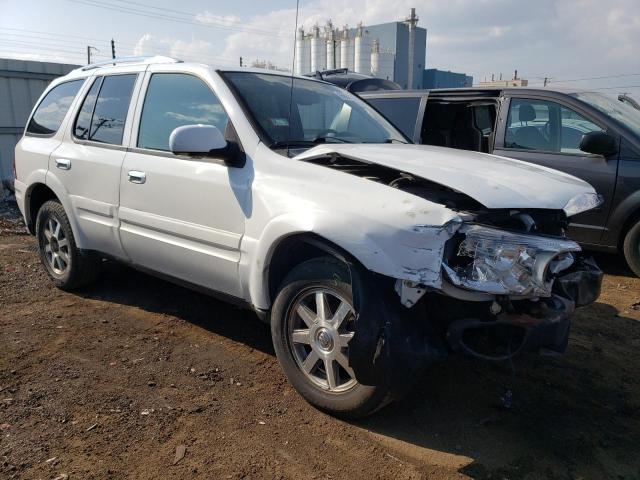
x=89, y=48
x=113, y=49
x=240, y=61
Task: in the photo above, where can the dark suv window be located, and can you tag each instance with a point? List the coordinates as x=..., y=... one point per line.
x=174, y=100
x=54, y=106
x=401, y=111
x=105, y=108
x=545, y=126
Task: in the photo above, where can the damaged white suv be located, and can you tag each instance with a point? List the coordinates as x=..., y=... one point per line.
x=370, y=257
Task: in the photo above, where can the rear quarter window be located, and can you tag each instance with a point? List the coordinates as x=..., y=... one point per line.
x=50, y=113
x=402, y=112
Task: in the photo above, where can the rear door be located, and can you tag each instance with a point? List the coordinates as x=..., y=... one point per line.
x=548, y=132
x=89, y=160
x=181, y=216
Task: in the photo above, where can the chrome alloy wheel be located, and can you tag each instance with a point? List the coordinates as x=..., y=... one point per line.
x=321, y=324
x=56, y=247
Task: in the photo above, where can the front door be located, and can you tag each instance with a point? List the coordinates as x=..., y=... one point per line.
x=549, y=133
x=181, y=216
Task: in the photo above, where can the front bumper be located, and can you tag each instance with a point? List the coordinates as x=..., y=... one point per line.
x=541, y=324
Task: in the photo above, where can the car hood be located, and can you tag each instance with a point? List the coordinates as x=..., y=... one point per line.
x=495, y=182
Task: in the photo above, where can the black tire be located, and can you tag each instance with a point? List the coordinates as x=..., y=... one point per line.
x=330, y=274
x=81, y=268
x=631, y=248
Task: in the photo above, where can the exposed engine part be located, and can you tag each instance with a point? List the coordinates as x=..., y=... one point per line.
x=410, y=292
x=527, y=220
x=461, y=294
x=432, y=191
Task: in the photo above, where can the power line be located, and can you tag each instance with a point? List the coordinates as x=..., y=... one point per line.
x=106, y=45
x=158, y=16
x=614, y=88
x=225, y=22
x=598, y=78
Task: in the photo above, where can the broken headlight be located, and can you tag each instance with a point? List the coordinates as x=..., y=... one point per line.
x=507, y=263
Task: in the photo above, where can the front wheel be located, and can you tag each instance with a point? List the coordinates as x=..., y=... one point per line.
x=312, y=322
x=631, y=248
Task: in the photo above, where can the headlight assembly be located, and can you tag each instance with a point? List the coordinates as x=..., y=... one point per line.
x=582, y=203
x=506, y=263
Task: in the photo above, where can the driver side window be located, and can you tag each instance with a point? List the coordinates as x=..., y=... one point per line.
x=545, y=126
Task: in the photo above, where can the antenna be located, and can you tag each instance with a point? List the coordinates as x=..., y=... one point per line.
x=293, y=64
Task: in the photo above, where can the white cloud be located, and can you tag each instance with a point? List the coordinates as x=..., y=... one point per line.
x=208, y=18
x=194, y=50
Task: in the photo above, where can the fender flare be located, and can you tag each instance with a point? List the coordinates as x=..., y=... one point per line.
x=62, y=193
x=619, y=219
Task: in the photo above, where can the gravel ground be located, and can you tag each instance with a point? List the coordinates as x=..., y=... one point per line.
x=137, y=378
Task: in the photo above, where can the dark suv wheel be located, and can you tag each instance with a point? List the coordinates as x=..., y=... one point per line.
x=631, y=248
x=67, y=266
x=312, y=323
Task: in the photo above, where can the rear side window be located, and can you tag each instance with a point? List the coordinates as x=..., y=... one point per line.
x=104, y=109
x=48, y=116
x=174, y=100
x=402, y=112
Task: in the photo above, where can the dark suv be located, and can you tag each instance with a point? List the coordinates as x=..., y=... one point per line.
x=586, y=134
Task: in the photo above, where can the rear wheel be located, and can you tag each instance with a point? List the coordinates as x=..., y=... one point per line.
x=312, y=322
x=66, y=265
x=631, y=248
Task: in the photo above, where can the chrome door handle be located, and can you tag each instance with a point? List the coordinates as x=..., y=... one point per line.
x=137, y=177
x=63, y=164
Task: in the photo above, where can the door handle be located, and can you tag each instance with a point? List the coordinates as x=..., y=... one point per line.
x=137, y=177
x=63, y=164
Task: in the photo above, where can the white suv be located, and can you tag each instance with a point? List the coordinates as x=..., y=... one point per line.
x=370, y=257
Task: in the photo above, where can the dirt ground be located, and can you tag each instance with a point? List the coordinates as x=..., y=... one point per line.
x=121, y=379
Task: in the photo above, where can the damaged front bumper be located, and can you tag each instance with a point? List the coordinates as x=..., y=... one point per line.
x=393, y=344
x=528, y=325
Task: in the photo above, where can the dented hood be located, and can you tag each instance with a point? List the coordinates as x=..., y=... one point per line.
x=495, y=182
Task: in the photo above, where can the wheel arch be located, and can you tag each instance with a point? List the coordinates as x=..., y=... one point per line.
x=626, y=214
x=36, y=196
x=51, y=189
x=297, y=248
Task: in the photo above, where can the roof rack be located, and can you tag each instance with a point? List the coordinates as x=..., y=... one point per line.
x=122, y=60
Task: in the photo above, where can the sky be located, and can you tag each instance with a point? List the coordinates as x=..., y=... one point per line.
x=572, y=42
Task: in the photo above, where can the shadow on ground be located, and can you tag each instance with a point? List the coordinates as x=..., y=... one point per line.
x=572, y=416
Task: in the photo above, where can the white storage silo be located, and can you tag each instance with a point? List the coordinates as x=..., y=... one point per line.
x=382, y=63
x=303, y=53
x=362, y=51
x=318, y=51
x=331, y=46
x=346, y=50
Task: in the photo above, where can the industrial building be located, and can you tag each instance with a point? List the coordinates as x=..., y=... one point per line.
x=499, y=82
x=393, y=51
x=21, y=84
x=434, y=78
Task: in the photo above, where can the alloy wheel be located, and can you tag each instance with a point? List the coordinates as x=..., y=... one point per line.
x=321, y=324
x=56, y=247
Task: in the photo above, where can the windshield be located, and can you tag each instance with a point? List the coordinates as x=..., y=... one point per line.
x=320, y=112
x=623, y=113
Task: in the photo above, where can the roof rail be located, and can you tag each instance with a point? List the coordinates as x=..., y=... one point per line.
x=121, y=60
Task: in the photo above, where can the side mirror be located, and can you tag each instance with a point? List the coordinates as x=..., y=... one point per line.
x=598, y=143
x=197, y=140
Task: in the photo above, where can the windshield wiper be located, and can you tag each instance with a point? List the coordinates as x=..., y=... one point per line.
x=291, y=143
x=326, y=140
